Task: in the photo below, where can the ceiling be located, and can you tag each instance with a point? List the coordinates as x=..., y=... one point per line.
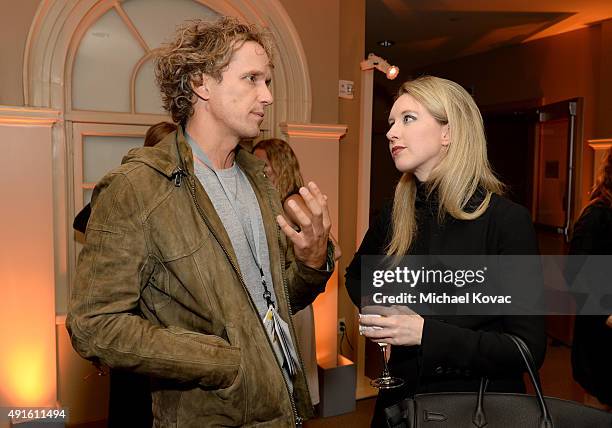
x=432, y=31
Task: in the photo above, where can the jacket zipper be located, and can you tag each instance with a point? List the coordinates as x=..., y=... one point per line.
x=286, y=289
x=297, y=419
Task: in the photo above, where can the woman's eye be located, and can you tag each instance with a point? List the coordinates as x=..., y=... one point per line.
x=408, y=118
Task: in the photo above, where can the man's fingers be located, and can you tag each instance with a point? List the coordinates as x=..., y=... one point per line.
x=317, y=204
x=287, y=229
x=322, y=199
x=303, y=219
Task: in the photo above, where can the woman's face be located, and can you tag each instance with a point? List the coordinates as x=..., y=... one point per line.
x=261, y=154
x=417, y=141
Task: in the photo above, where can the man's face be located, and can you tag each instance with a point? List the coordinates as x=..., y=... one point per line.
x=236, y=104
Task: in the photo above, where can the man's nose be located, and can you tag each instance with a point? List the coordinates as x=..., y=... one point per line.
x=265, y=96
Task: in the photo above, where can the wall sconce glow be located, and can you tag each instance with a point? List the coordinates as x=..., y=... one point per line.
x=392, y=72
x=374, y=61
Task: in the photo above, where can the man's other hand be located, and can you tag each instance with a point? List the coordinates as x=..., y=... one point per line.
x=310, y=243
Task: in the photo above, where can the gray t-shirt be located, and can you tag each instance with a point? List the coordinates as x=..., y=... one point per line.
x=242, y=220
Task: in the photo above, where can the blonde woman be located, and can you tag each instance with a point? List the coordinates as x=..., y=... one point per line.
x=283, y=169
x=447, y=201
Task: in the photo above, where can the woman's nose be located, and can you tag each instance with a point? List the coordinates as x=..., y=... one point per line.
x=391, y=135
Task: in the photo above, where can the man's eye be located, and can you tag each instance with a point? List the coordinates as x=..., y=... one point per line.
x=250, y=78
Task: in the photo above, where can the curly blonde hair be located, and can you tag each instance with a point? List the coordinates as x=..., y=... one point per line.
x=285, y=165
x=200, y=47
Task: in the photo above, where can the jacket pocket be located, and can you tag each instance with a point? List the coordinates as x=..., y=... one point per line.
x=236, y=395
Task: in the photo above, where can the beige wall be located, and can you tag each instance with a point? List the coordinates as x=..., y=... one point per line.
x=27, y=332
x=317, y=24
x=352, y=47
x=15, y=21
x=552, y=69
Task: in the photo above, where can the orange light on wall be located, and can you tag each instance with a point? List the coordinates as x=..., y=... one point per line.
x=326, y=321
x=24, y=374
x=28, y=372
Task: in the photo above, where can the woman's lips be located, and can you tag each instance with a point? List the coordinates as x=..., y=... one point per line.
x=396, y=149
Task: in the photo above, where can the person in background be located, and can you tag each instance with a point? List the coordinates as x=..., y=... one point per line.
x=447, y=201
x=592, y=343
x=283, y=169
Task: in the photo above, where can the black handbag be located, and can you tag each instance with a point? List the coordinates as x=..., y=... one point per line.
x=492, y=410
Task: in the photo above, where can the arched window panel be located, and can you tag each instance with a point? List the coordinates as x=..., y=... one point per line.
x=147, y=95
x=156, y=20
x=103, y=66
x=102, y=153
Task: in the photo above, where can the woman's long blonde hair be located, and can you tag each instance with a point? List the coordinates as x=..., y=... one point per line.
x=463, y=169
x=285, y=165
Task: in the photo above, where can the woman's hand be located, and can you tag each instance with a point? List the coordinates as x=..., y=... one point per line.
x=396, y=326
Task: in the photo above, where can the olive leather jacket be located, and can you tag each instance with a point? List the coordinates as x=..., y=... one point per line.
x=158, y=291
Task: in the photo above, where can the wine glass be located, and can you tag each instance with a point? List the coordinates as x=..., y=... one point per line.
x=386, y=381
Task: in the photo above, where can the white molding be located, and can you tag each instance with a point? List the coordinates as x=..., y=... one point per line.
x=28, y=116
x=600, y=143
x=599, y=146
x=313, y=130
x=116, y=118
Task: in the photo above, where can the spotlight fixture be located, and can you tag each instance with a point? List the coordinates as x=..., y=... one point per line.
x=386, y=43
x=374, y=61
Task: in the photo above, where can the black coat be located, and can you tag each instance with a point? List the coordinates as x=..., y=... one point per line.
x=592, y=345
x=456, y=351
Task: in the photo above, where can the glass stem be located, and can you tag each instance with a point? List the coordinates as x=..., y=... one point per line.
x=385, y=372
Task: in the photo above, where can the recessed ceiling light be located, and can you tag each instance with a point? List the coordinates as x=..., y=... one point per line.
x=386, y=43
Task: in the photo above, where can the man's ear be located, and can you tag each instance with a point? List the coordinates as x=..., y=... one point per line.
x=203, y=90
x=445, y=137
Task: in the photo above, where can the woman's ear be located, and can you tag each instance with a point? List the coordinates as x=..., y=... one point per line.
x=445, y=136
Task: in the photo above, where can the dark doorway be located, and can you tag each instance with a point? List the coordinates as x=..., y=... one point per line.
x=510, y=146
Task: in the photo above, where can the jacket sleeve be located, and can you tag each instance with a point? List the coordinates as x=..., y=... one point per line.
x=306, y=283
x=489, y=352
x=101, y=319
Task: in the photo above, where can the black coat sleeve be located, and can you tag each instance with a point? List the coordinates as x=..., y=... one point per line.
x=488, y=351
x=374, y=243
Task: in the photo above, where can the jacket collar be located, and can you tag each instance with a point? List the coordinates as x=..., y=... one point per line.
x=173, y=152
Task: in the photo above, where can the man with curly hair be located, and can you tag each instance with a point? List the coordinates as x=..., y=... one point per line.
x=190, y=274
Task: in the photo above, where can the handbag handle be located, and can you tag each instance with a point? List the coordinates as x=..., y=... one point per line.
x=479, y=418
